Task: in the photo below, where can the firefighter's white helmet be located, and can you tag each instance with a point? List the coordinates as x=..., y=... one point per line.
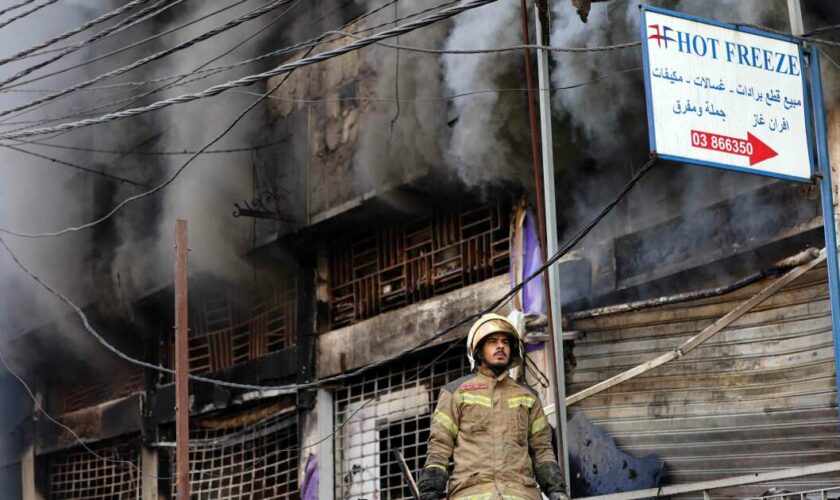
x=495, y=323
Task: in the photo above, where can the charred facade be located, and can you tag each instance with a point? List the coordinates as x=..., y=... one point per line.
x=375, y=208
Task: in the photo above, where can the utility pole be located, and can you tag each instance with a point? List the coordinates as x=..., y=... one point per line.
x=542, y=27
x=182, y=365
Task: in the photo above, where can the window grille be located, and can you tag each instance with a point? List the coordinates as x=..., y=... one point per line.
x=228, y=326
x=77, y=474
x=86, y=393
x=397, y=418
x=398, y=265
x=245, y=462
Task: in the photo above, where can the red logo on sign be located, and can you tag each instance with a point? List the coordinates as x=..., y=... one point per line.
x=660, y=36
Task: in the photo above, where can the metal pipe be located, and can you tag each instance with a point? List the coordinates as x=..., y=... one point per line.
x=542, y=23
x=824, y=175
x=795, y=15
x=540, y=209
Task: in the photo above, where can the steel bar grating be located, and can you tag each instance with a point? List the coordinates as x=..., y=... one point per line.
x=78, y=474
x=397, y=418
x=245, y=462
x=395, y=266
x=228, y=327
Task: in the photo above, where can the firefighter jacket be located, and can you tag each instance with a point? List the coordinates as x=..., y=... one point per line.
x=489, y=423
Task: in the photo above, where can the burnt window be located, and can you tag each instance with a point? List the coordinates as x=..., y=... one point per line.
x=235, y=461
x=389, y=408
x=113, y=472
x=398, y=265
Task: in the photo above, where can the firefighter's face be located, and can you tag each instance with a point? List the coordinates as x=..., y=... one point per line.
x=495, y=351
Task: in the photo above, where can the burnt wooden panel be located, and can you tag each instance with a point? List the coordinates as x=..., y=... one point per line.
x=395, y=266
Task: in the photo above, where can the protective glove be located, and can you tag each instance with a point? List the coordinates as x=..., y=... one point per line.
x=432, y=483
x=550, y=479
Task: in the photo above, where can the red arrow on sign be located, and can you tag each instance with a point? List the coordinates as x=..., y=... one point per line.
x=752, y=147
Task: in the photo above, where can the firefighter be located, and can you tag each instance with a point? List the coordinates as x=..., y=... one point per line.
x=492, y=426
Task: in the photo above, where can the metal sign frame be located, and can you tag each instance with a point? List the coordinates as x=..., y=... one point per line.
x=649, y=101
x=817, y=138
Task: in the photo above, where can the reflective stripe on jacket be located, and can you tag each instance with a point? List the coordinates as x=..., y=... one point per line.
x=488, y=424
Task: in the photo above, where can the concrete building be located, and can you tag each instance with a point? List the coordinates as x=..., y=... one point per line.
x=385, y=209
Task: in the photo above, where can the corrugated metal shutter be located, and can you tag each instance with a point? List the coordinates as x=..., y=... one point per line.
x=759, y=396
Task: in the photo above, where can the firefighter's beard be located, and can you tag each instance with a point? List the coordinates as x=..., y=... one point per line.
x=496, y=366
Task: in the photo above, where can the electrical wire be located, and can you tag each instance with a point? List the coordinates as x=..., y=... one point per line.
x=126, y=152
x=415, y=49
x=213, y=71
x=81, y=313
x=535, y=372
x=819, y=31
x=268, y=7
x=283, y=69
x=563, y=250
x=103, y=56
x=340, y=426
x=513, y=48
x=127, y=23
x=130, y=46
x=251, y=79
x=75, y=31
x=292, y=388
x=831, y=60
x=16, y=6
x=363, y=15
x=92, y=88
x=32, y=395
x=239, y=44
x=789, y=35
x=566, y=247
x=206, y=73
x=445, y=97
x=24, y=14
x=88, y=170
x=385, y=99
x=314, y=42
x=45, y=51
x=280, y=17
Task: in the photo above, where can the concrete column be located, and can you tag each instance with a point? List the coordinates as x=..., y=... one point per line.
x=326, y=453
x=27, y=469
x=149, y=466
x=29, y=479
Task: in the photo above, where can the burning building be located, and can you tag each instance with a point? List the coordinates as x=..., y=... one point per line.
x=368, y=202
